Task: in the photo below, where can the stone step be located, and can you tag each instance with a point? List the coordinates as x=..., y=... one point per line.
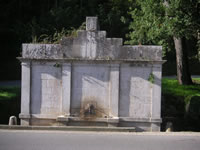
x=69, y=128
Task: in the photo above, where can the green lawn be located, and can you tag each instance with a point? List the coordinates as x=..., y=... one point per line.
x=7, y=93
x=181, y=104
x=171, y=86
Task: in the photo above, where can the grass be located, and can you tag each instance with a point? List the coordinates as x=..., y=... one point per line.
x=171, y=86
x=7, y=93
x=180, y=105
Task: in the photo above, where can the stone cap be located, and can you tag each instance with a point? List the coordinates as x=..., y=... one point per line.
x=92, y=24
x=92, y=44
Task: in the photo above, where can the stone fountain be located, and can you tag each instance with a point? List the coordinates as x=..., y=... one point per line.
x=91, y=80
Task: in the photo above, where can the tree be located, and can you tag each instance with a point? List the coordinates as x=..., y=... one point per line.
x=157, y=21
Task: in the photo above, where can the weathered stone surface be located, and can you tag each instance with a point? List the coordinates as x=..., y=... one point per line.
x=41, y=51
x=46, y=93
x=88, y=80
x=141, y=52
x=92, y=44
x=91, y=80
x=135, y=92
x=91, y=23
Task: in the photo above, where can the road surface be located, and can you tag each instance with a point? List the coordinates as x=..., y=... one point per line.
x=68, y=140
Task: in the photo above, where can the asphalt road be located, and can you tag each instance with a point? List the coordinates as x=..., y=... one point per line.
x=60, y=140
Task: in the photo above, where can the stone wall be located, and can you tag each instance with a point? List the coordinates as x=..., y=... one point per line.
x=91, y=80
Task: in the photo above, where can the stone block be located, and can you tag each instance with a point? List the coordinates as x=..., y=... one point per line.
x=91, y=23
x=41, y=51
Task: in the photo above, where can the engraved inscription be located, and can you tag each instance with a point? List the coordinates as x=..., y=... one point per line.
x=51, y=93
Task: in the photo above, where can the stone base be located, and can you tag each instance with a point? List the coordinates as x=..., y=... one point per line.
x=25, y=122
x=24, y=119
x=76, y=121
x=142, y=124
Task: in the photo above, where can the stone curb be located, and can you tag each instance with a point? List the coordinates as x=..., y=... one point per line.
x=96, y=129
x=69, y=128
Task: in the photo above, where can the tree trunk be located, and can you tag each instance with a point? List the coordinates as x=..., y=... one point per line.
x=183, y=73
x=198, y=45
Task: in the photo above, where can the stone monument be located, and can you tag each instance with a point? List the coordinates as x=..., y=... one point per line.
x=91, y=80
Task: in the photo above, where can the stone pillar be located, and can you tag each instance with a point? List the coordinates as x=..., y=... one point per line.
x=25, y=93
x=66, y=88
x=114, y=90
x=156, y=98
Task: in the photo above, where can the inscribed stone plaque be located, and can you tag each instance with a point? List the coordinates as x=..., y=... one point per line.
x=46, y=86
x=135, y=92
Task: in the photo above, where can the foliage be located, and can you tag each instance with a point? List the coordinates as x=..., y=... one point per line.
x=157, y=21
x=32, y=21
x=57, y=36
x=7, y=93
x=171, y=87
x=113, y=16
x=47, y=20
x=183, y=17
x=148, y=25
x=57, y=65
x=151, y=78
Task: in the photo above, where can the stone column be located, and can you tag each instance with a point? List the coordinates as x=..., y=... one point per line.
x=25, y=93
x=114, y=90
x=156, y=98
x=66, y=88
